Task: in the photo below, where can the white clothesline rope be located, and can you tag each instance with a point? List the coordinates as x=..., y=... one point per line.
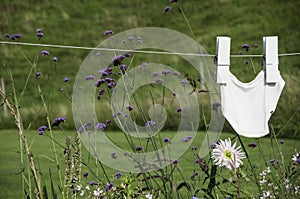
x=136, y=51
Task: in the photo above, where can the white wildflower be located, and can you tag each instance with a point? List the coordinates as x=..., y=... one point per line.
x=149, y=196
x=98, y=192
x=226, y=155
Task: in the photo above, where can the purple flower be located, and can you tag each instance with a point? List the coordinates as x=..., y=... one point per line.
x=38, y=74
x=85, y=174
x=138, y=148
x=281, y=141
x=139, y=40
x=62, y=90
x=111, y=85
x=166, y=140
x=54, y=59
x=131, y=38
x=117, y=60
x=198, y=161
x=41, y=130
x=178, y=110
x=255, y=45
x=108, y=122
x=123, y=67
x=58, y=120
x=175, y=162
x=194, y=197
x=89, y=77
x=215, y=106
x=252, y=145
x=44, y=53
x=127, y=54
x=159, y=81
x=184, y=82
x=118, y=113
x=130, y=107
x=144, y=64
x=246, y=62
x=100, y=126
x=165, y=72
x=40, y=34
x=66, y=79
x=154, y=74
x=15, y=36
x=166, y=9
x=187, y=138
x=38, y=30
x=7, y=35
x=246, y=47
x=114, y=155
x=272, y=161
x=194, y=175
x=108, y=32
x=172, y=1
x=99, y=82
x=109, y=186
x=149, y=123
x=92, y=183
x=118, y=175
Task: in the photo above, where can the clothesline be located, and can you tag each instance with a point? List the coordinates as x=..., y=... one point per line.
x=135, y=51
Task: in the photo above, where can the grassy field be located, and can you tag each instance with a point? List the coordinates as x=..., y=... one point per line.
x=43, y=154
x=83, y=24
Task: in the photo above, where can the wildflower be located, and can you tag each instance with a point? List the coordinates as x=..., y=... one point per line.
x=159, y=81
x=172, y=1
x=66, y=79
x=40, y=34
x=44, y=53
x=187, y=138
x=166, y=140
x=92, y=183
x=166, y=9
x=184, y=82
x=62, y=90
x=246, y=62
x=118, y=113
x=139, y=40
x=85, y=174
x=194, y=197
x=99, y=82
x=226, y=155
x=165, y=72
x=138, y=148
x=100, y=126
x=144, y=64
x=215, y=106
x=117, y=59
x=7, y=35
x=108, y=32
x=154, y=74
x=58, y=120
x=255, y=45
x=109, y=186
x=149, y=123
x=15, y=36
x=281, y=141
x=54, y=59
x=89, y=77
x=131, y=38
x=175, y=162
x=178, y=110
x=97, y=54
x=252, y=145
x=272, y=161
x=194, y=148
x=114, y=155
x=130, y=107
x=123, y=67
x=246, y=47
x=38, y=30
x=41, y=130
x=38, y=74
x=118, y=175
x=111, y=85
x=194, y=175
x=108, y=122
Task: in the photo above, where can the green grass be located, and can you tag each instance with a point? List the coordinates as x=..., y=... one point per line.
x=42, y=152
x=83, y=23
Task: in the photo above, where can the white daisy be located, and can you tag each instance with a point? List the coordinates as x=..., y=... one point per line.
x=226, y=155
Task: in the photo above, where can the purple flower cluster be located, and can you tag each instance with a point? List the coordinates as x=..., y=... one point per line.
x=109, y=186
x=41, y=130
x=138, y=148
x=66, y=79
x=187, y=138
x=13, y=36
x=114, y=155
x=165, y=72
x=57, y=121
x=39, y=33
x=167, y=140
x=166, y=9
x=89, y=77
x=130, y=107
x=44, y=53
x=246, y=47
x=149, y=123
x=100, y=126
x=194, y=175
x=108, y=32
x=118, y=175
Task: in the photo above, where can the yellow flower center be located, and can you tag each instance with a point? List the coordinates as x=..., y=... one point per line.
x=228, y=154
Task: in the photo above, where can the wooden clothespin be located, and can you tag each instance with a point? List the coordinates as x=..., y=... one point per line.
x=222, y=59
x=271, y=58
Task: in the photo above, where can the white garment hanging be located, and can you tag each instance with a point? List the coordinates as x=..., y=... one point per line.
x=249, y=106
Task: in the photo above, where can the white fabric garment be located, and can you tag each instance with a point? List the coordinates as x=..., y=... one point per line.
x=249, y=106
